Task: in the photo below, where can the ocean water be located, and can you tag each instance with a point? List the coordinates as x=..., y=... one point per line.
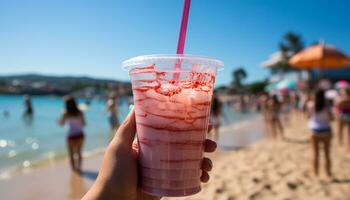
x=28, y=142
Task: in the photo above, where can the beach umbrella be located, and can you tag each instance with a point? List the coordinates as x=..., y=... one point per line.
x=320, y=57
x=275, y=60
x=287, y=85
x=271, y=87
x=342, y=84
x=331, y=94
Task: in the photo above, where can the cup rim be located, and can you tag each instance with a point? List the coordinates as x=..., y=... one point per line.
x=153, y=58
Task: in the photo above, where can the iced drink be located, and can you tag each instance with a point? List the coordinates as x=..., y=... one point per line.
x=172, y=106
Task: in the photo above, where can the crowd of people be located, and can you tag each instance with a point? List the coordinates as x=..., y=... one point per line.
x=319, y=110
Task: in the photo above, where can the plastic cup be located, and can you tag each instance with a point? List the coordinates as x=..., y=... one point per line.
x=172, y=106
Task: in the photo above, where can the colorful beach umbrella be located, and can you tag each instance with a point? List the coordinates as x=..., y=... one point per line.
x=287, y=85
x=271, y=87
x=342, y=84
x=320, y=57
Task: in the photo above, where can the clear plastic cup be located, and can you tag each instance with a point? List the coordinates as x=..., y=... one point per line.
x=172, y=97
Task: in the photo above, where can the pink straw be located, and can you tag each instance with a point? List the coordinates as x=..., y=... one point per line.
x=183, y=27
x=182, y=36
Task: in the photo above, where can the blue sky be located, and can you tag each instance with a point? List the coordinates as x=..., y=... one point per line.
x=93, y=37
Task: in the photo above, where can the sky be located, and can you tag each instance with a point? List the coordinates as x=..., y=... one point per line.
x=92, y=38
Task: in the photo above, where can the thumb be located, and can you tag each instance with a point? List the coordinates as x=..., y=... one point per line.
x=126, y=132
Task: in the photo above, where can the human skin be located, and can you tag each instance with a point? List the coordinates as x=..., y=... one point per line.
x=118, y=176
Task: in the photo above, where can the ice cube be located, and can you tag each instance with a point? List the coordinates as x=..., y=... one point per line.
x=169, y=89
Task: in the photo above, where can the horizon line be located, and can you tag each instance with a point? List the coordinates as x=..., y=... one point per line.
x=58, y=75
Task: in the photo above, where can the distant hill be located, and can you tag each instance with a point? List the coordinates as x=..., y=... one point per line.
x=60, y=85
x=64, y=79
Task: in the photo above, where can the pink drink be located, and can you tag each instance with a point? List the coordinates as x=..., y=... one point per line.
x=172, y=119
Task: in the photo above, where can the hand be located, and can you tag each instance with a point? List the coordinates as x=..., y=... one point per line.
x=118, y=176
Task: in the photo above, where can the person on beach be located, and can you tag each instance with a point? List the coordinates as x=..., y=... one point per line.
x=118, y=176
x=273, y=109
x=215, y=116
x=113, y=113
x=303, y=103
x=287, y=107
x=343, y=117
x=295, y=101
x=75, y=121
x=258, y=105
x=320, y=117
x=263, y=101
x=28, y=107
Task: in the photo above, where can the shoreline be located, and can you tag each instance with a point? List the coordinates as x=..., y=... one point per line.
x=52, y=171
x=267, y=170
x=18, y=170
x=15, y=170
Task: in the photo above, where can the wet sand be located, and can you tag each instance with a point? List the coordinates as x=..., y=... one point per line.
x=54, y=181
x=264, y=170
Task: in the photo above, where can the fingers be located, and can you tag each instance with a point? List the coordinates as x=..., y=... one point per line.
x=204, y=177
x=207, y=165
x=126, y=132
x=209, y=146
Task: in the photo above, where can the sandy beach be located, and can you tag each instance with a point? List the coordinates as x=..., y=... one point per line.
x=54, y=181
x=266, y=169
x=277, y=170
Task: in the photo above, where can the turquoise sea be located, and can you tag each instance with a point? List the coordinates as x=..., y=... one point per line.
x=28, y=142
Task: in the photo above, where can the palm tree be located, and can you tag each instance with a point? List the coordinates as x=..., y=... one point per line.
x=290, y=45
x=291, y=42
x=239, y=75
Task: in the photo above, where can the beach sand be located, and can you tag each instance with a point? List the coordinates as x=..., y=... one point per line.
x=54, y=181
x=266, y=169
x=278, y=170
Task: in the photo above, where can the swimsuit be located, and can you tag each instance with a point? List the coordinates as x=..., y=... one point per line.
x=75, y=128
x=76, y=137
x=319, y=122
x=321, y=130
x=345, y=115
